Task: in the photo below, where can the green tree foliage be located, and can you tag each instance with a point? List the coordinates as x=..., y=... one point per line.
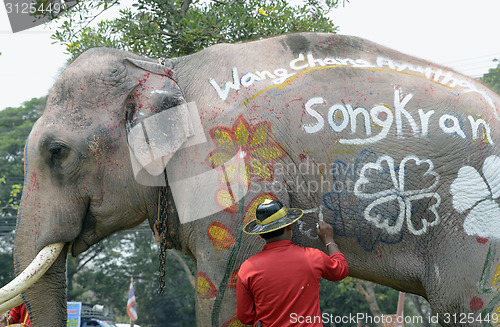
x=492, y=78
x=162, y=29
x=6, y=268
x=342, y=299
x=15, y=125
x=6, y=259
x=105, y=280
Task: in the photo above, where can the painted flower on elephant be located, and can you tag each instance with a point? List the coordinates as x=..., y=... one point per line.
x=220, y=236
x=256, y=150
x=205, y=288
x=256, y=143
x=401, y=191
x=479, y=195
x=228, y=193
x=347, y=209
x=233, y=322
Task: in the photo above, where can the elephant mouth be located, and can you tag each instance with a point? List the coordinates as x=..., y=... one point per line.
x=79, y=246
x=10, y=294
x=88, y=235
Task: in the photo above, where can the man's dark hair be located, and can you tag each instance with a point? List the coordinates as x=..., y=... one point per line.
x=274, y=233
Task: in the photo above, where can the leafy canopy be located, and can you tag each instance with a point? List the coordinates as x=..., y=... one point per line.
x=492, y=78
x=15, y=125
x=104, y=275
x=163, y=29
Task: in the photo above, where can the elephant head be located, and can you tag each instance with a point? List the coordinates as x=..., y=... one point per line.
x=80, y=185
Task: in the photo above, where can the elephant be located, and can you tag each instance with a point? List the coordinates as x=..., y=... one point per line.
x=398, y=154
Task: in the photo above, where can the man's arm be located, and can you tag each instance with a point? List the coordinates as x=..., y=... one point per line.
x=15, y=314
x=325, y=233
x=245, y=305
x=336, y=268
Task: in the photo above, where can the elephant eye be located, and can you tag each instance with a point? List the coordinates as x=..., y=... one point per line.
x=58, y=151
x=61, y=158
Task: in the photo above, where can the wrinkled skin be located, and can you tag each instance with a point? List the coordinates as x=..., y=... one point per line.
x=408, y=180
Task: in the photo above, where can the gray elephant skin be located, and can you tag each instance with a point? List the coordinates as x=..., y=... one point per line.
x=400, y=155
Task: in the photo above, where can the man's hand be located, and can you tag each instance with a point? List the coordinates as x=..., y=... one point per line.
x=5, y=319
x=325, y=233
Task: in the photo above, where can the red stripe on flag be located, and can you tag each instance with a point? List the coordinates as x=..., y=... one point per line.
x=131, y=309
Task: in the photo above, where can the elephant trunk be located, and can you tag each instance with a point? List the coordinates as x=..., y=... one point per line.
x=46, y=298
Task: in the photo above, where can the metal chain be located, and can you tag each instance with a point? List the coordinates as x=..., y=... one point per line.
x=162, y=230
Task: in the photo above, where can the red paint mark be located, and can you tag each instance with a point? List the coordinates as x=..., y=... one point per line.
x=288, y=104
x=231, y=283
x=482, y=240
x=34, y=182
x=302, y=157
x=476, y=304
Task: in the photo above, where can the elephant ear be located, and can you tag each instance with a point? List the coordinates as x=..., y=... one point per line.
x=159, y=121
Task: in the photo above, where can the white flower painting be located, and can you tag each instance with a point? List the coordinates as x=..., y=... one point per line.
x=477, y=193
x=390, y=188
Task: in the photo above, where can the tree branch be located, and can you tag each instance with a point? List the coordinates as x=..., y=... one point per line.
x=169, y=34
x=220, y=2
x=96, y=253
x=90, y=21
x=367, y=290
x=418, y=302
x=185, y=7
x=185, y=266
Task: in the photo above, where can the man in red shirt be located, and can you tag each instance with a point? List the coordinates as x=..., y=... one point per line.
x=279, y=286
x=19, y=315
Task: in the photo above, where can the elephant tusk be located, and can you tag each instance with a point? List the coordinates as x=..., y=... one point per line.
x=12, y=303
x=42, y=262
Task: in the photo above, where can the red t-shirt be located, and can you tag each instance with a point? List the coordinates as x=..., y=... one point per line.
x=280, y=285
x=20, y=315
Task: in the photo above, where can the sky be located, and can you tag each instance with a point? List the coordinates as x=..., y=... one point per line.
x=460, y=34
